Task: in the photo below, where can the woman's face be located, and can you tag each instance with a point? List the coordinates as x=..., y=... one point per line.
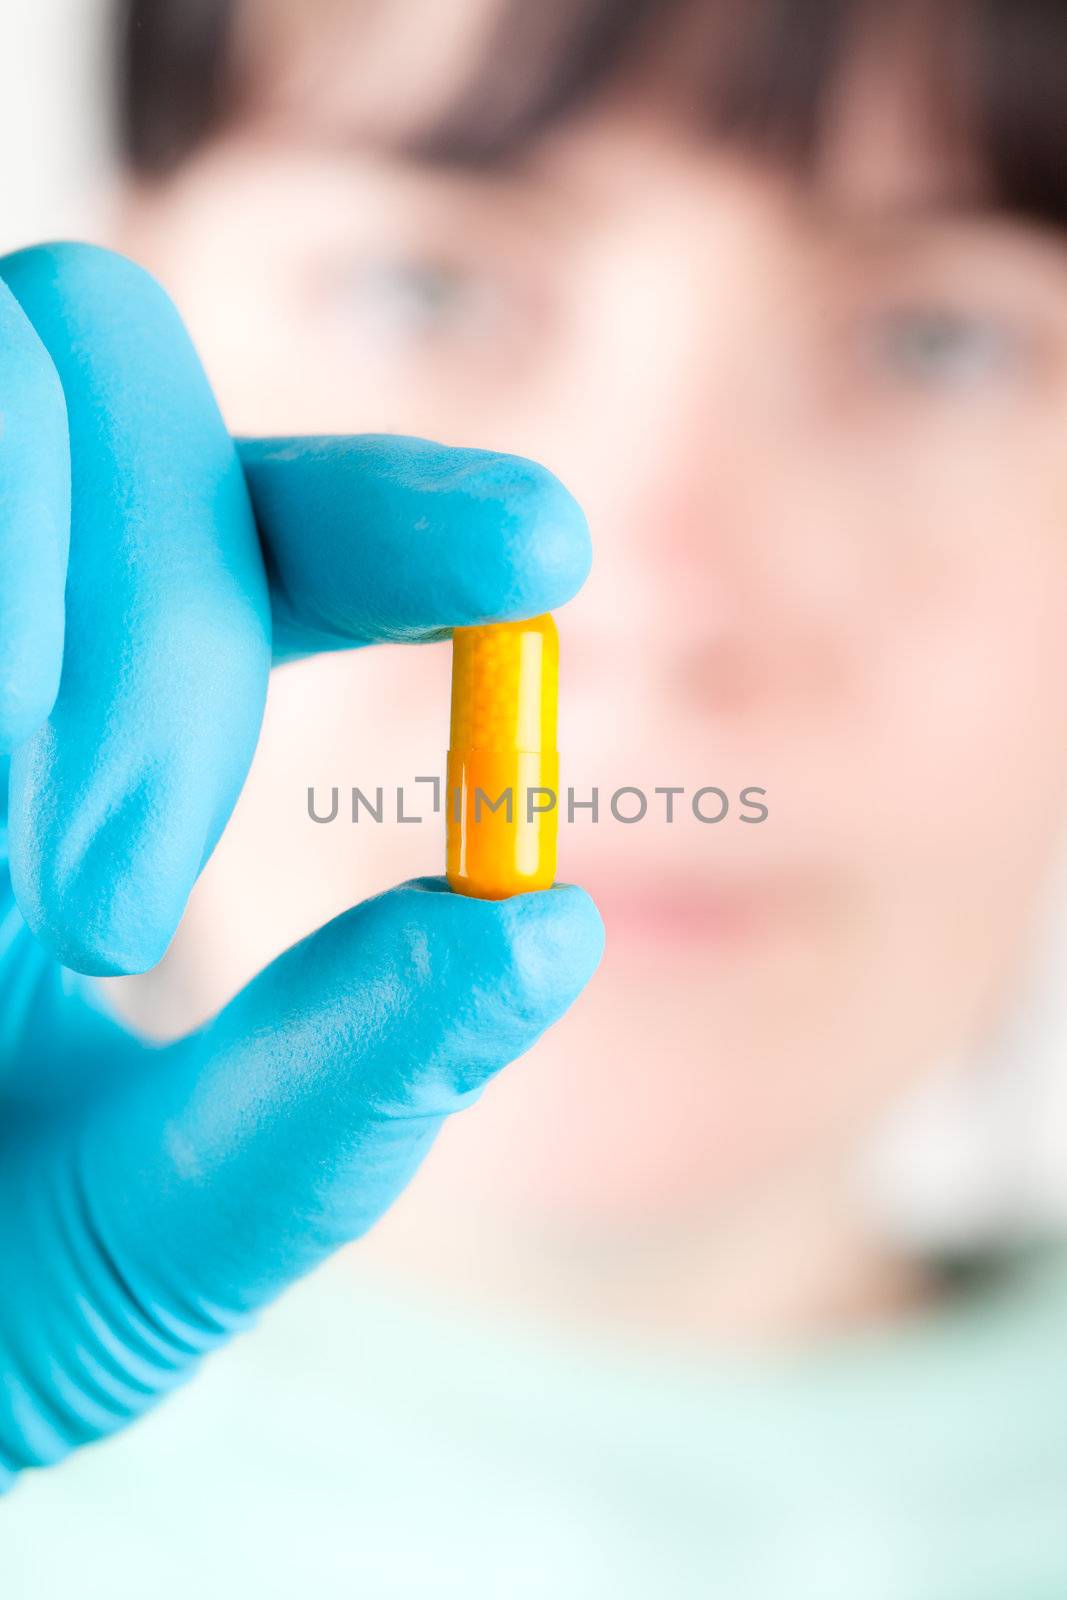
x=818, y=430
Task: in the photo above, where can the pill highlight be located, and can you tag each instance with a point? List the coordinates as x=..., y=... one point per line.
x=503, y=768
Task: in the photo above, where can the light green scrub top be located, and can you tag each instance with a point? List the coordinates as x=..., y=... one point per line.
x=363, y=1442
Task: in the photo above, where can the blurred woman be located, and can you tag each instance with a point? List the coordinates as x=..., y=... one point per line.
x=780, y=292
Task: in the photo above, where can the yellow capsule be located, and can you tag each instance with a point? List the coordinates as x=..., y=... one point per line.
x=503, y=769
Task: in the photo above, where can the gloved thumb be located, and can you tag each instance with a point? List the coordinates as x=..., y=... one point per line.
x=234, y=1161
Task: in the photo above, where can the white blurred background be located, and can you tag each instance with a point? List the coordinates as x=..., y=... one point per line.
x=55, y=65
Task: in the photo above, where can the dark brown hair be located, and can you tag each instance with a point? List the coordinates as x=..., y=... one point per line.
x=768, y=70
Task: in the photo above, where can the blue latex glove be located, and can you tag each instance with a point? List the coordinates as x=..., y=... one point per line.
x=153, y=1198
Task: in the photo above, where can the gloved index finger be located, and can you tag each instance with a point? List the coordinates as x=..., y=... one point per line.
x=384, y=538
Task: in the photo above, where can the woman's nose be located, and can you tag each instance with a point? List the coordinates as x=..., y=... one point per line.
x=728, y=532
x=723, y=564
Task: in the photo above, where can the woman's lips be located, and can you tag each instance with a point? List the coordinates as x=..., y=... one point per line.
x=735, y=913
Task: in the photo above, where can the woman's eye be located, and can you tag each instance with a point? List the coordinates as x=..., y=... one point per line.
x=417, y=300
x=936, y=347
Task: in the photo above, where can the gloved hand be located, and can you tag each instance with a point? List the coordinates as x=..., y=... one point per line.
x=153, y=1198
